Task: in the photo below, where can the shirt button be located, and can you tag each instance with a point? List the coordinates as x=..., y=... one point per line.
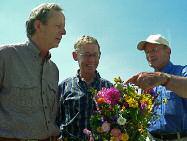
x=45, y=107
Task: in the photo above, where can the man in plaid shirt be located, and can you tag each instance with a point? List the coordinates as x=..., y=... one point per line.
x=76, y=99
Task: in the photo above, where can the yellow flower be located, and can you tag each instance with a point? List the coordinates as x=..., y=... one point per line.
x=148, y=100
x=123, y=108
x=165, y=100
x=99, y=129
x=118, y=80
x=141, y=128
x=124, y=137
x=132, y=102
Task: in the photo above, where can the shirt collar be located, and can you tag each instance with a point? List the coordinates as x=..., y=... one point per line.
x=96, y=79
x=167, y=68
x=36, y=50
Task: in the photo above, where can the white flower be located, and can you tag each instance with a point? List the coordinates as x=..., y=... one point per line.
x=105, y=126
x=121, y=120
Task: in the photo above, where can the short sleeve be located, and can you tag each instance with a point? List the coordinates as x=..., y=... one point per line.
x=184, y=71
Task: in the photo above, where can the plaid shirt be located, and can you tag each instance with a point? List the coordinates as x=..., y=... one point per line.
x=77, y=105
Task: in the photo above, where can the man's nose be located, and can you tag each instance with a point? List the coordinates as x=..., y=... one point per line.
x=63, y=32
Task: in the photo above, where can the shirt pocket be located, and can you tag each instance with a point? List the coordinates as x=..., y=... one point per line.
x=72, y=105
x=24, y=96
x=53, y=87
x=173, y=106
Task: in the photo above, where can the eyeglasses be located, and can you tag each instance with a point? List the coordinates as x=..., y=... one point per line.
x=153, y=50
x=89, y=55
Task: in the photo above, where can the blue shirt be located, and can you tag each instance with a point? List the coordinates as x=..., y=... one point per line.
x=77, y=105
x=172, y=114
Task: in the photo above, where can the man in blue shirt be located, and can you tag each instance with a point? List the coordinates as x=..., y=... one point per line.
x=75, y=92
x=170, y=82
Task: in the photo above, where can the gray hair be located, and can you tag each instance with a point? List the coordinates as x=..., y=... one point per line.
x=85, y=39
x=42, y=13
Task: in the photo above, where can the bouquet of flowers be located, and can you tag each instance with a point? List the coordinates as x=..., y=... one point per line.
x=123, y=113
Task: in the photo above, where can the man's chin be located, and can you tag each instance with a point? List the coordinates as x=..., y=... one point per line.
x=91, y=71
x=151, y=65
x=55, y=46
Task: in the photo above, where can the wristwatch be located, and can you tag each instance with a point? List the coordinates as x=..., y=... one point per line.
x=167, y=77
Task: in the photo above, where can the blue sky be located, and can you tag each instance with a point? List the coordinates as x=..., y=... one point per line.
x=118, y=25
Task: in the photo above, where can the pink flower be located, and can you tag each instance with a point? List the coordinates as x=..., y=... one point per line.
x=143, y=105
x=110, y=95
x=101, y=93
x=87, y=132
x=116, y=132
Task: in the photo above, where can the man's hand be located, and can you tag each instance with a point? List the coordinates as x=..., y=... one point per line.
x=147, y=80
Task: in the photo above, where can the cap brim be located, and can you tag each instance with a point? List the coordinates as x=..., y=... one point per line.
x=141, y=45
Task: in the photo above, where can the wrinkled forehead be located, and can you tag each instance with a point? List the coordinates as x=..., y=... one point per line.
x=89, y=47
x=58, y=15
x=149, y=46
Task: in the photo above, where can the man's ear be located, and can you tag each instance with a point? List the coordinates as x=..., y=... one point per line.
x=74, y=54
x=169, y=50
x=37, y=25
